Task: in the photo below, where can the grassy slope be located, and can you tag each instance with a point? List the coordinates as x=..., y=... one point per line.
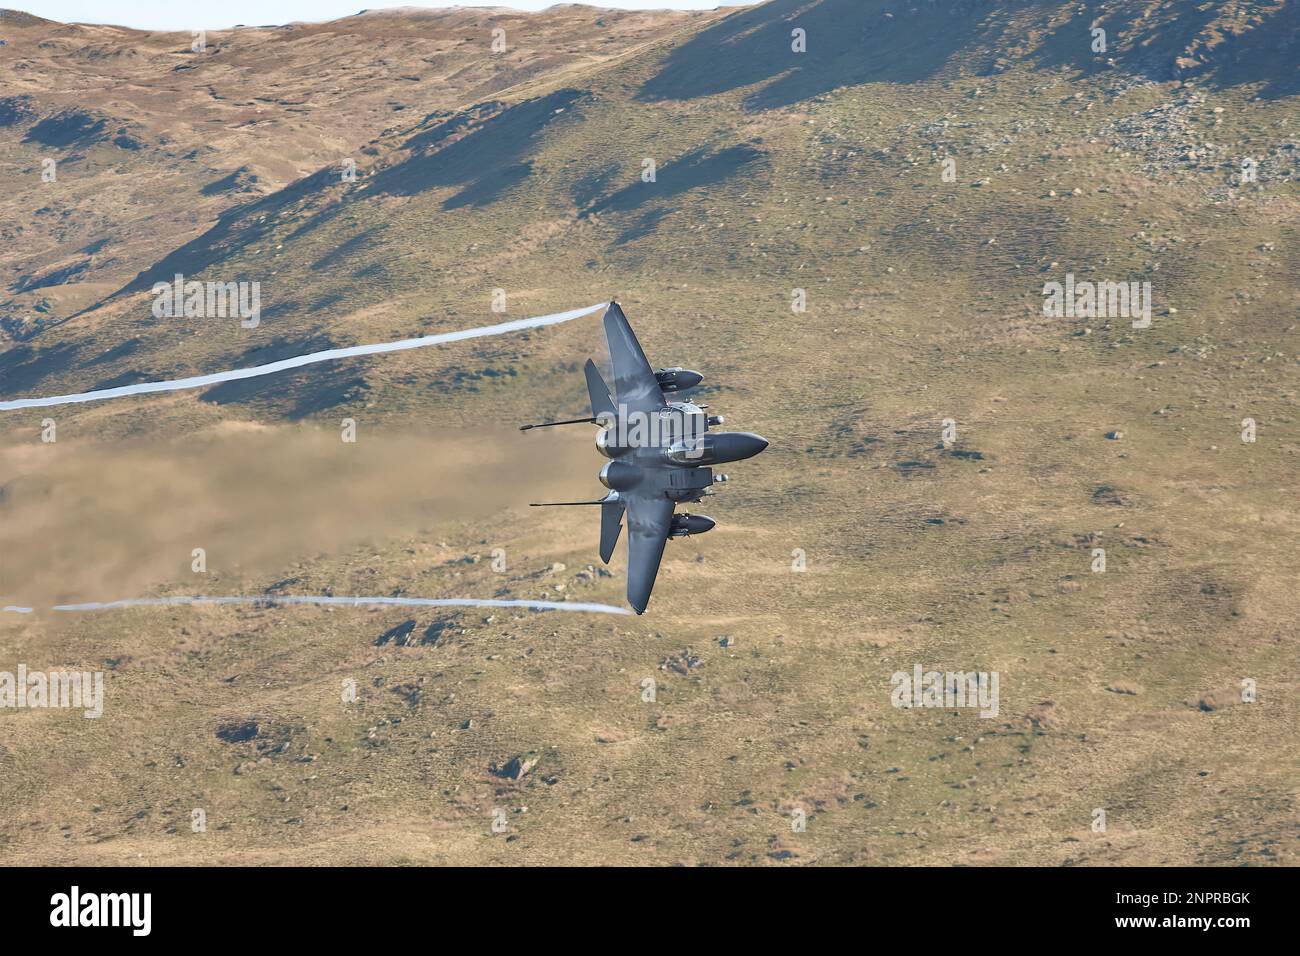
x=914, y=316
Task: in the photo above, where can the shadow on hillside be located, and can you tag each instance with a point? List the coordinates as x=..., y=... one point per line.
x=1070, y=43
x=23, y=367
x=1187, y=43
x=643, y=226
x=55, y=277
x=848, y=42
x=696, y=168
x=15, y=110
x=241, y=180
x=129, y=347
x=298, y=393
x=861, y=41
x=236, y=229
x=346, y=250
x=485, y=161
x=68, y=128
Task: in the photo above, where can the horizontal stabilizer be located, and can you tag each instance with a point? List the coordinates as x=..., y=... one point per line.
x=611, y=523
x=601, y=403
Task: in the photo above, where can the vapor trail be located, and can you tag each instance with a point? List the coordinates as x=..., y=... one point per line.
x=329, y=355
x=273, y=599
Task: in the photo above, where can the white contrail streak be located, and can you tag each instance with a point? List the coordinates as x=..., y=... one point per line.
x=329, y=355
x=273, y=599
x=201, y=381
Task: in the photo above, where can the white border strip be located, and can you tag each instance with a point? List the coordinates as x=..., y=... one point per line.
x=329, y=355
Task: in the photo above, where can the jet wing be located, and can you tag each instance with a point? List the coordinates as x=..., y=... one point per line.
x=635, y=385
x=648, y=521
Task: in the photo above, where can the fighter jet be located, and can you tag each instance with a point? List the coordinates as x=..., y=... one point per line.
x=659, y=452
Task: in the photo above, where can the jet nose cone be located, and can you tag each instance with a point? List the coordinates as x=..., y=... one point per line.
x=736, y=446
x=748, y=444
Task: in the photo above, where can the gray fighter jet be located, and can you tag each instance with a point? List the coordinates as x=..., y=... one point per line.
x=659, y=452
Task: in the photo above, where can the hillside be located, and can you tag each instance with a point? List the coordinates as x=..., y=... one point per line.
x=776, y=171
x=154, y=140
